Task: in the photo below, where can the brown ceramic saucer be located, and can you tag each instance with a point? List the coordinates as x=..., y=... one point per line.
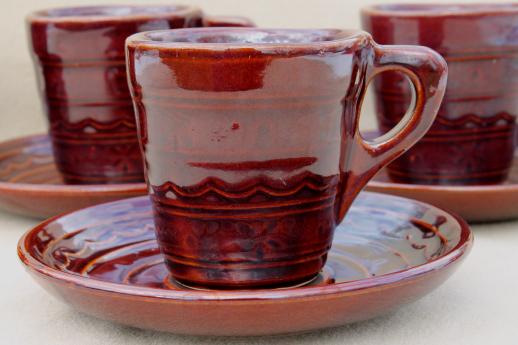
x=30, y=184
x=105, y=262
x=482, y=203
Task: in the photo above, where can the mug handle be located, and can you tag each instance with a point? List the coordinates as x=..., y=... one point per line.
x=227, y=21
x=427, y=71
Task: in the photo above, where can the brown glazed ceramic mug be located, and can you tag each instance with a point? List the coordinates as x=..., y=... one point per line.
x=474, y=136
x=79, y=58
x=251, y=143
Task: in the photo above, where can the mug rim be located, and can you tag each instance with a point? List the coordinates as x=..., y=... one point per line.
x=102, y=13
x=339, y=38
x=438, y=10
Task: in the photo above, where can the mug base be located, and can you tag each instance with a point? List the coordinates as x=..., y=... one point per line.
x=88, y=180
x=173, y=283
x=416, y=178
x=229, y=278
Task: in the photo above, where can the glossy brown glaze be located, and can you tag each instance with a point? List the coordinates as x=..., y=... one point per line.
x=251, y=143
x=473, y=138
x=105, y=261
x=79, y=58
x=30, y=184
x=474, y=203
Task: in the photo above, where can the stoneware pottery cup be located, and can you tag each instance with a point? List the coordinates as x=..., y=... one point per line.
x=80, y=66
x=473, y=139
x=251, y=143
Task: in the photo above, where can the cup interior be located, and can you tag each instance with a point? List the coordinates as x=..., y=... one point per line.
x=247, y=36
x=442, y=9
x=109, y=11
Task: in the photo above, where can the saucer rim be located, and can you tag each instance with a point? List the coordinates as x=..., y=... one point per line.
x=461, y=249
x=443, y=188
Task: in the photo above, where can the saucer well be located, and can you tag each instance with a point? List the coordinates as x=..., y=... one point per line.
x=30, y=184
x=104, y=261
x=484, y=203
